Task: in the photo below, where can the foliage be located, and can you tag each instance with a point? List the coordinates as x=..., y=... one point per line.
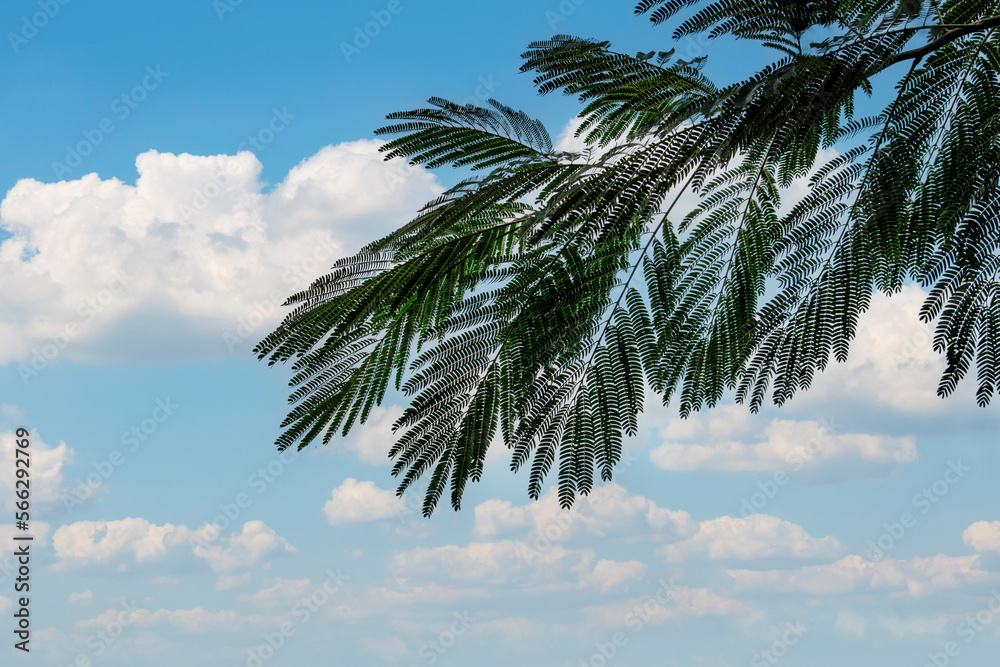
x=545, y=296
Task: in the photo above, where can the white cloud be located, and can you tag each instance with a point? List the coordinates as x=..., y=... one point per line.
x=566, y=141
x=720, y=424
x=494, y=517
x=609, y=510
x=756, y=536
x=13, y=415
x=983, y=536
x=373, y=440
x=158, y=271
x=800, y=186
x=126, y=542
x=916, y=577
x=354, y=502
x=716, y=440
x=499, y=562
x=255, y=542
x=280, y=592
x=609, y=575
x=133, y=540
x=891, y=363
x=47, y=466
x=689, y=199
x=513, y=562
x=86, y=597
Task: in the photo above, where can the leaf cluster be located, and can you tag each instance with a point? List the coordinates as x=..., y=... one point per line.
x=540, y=301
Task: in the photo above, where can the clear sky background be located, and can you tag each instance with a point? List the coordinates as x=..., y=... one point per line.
x=172, y=171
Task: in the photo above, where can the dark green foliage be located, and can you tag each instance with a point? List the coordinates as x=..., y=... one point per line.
x=546, y=322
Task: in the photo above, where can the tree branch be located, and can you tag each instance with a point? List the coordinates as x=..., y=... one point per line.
x=947, y=37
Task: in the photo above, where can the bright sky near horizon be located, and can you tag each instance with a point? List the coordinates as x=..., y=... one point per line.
x=172, y=171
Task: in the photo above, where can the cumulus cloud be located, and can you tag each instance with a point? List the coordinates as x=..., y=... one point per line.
x=728, y=438
x=916, y=577
x=356, y=502
x=609, y=510
x=47, y=466
x=983, y=536
x=255, y=542
x=192, y=260
x=514, y=562
x=609, y=575
x=133, y=541
x=891, y=363
x=756, y=536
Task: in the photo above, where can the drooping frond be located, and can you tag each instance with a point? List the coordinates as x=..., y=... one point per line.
x=537, y=301
x=465, y=135
x=624, y=95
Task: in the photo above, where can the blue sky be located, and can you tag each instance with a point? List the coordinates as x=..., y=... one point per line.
x=135, y=280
